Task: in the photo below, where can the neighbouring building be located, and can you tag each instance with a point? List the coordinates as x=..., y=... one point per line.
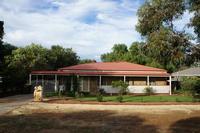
x=93, y=76
x=177, y=77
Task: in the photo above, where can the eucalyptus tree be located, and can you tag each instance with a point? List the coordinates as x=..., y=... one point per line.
x=194, y=7
x=165, y=45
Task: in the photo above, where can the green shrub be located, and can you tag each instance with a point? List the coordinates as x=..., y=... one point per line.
x=123, y=86
x=99, y=97
x=51, y=94
x=120, y=98
x=191, y=85
x=149, y=91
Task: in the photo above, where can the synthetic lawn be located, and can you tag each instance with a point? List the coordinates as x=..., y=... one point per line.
x=129, y=98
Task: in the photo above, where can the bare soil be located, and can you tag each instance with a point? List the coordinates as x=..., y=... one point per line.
x=74, y=101
x=86, y=118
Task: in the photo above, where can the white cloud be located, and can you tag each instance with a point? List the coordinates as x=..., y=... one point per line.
x=65, y=23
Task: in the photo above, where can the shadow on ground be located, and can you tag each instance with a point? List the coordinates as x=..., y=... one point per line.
x=86, y=121
x=189, y=125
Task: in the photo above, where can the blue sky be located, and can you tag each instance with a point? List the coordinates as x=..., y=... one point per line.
x=90, y=27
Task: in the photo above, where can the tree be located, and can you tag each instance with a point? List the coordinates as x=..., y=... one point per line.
x=1, y=42
x=157, y=13
x=195, y=21
x=60, y=57
x=83, y=61
x=137, y=53
x=119, y=53
x=22, y=61
x=168, y=48
x=5, y=50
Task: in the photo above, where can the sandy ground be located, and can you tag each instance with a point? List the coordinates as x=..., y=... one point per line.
x=27, y=116
x=9, y=103
x=115, y=118
x=150, y=109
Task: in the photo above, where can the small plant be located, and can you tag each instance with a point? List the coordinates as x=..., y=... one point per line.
x=77, y=95
x=120, y=98
x=149, y=91
x=100, y=95
x=123, y=88
x=51, y=94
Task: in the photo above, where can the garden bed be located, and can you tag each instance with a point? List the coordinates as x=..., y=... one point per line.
x=129, y=100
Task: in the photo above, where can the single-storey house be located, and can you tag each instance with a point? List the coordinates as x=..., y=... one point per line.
x=190, y=72
x=177, y=77
x=93, y=76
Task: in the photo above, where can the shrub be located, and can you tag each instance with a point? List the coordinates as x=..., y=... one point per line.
x=120, y=98
x=123, y=89
x=149, y=91
x=77, y=95
x=192, y=85
x=51, y=94
x=100, y=95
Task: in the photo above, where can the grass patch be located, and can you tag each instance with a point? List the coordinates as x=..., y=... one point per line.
x=128, y=98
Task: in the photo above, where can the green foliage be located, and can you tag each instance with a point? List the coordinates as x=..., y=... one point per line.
x=120, y=98
x=119, y=53
x=120, y=85
x=168, y=48
x=157, y=13
x=149, y=91
x=123, y=88
x=99, y=97
x=83, y=61
x=191, y=84
x=195, y=21
x=34, y=57
x=154, y=98
x=60, y=57
x=51, y=94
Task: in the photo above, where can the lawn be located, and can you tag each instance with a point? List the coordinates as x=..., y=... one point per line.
x=129, y=98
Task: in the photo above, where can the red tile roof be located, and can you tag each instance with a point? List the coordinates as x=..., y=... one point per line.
x=108, y=68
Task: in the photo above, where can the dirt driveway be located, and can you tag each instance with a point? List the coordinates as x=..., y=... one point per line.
x=9, y=103
x=85, y=118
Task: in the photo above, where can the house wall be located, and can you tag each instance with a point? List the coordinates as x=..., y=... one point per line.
x=137, y=84
x=138, y=89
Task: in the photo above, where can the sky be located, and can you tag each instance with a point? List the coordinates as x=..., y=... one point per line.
x=89, y=27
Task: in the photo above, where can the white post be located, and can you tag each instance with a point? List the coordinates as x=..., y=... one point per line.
x=56, y=78
x=147, y=80
x=71, y=88
x=100, y=82
x=170, y=85
x=30, y=79
x=124, y=78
